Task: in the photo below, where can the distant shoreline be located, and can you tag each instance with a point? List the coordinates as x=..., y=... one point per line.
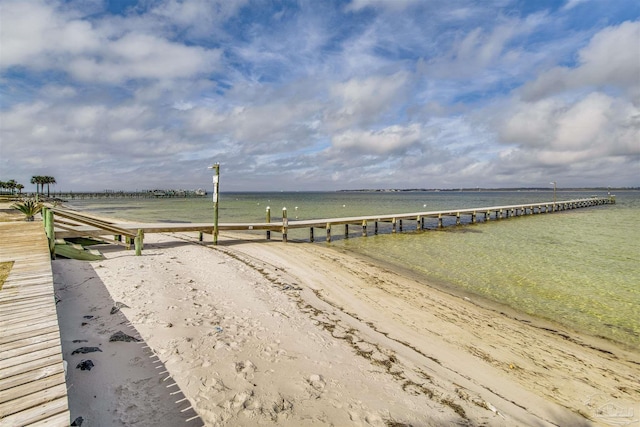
x=476, y=190
x=165, y=194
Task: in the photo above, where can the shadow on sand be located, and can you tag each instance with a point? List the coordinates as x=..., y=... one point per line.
x=127, y=384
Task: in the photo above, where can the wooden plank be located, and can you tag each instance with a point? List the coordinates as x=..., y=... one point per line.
x=25, y=328
x=11, y=317
x=27, y=334
x=27, y=282
x=52, y=414
x=59, y=420
x=28, y=348
x=26, y=341
x=36, y=407
x=21, y=293
x=30, y=365
x=20, y=306
x=31, y=387
x=15, y=294
x=7, y=383
x=19, y=360
x=98, y=223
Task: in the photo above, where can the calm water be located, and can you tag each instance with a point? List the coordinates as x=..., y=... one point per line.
x=579, y=268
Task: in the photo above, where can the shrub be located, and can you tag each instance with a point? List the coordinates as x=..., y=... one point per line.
x=29, y=208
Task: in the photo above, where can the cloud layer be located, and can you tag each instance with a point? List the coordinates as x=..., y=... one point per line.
x=320, y=95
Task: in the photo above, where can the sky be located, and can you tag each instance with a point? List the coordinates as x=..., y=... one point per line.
x=320, y=95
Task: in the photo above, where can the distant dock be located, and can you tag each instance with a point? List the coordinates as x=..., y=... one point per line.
x=146, y=194
x=63, y=223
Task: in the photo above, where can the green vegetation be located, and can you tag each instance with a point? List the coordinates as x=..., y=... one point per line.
x=40, y=181
x=10, y=185
x=5, y=268
x=29, y=208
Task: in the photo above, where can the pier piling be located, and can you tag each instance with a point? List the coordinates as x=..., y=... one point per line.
x=76, y=224
x=285, y=224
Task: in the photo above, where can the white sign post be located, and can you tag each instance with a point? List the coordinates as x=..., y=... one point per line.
x=216, y=179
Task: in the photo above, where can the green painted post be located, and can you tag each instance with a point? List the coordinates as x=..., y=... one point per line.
x=44, y=218
x=51, y=234
x=139, y=242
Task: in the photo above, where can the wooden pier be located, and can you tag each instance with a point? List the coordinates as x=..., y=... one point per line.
x=68, y=224
x=32, y=378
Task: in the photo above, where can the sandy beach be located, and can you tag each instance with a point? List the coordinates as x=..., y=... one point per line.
x=251, y=332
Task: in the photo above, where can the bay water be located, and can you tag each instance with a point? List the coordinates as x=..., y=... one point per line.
x=578, y=268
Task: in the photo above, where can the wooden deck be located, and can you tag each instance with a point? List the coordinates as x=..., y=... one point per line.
x=76, y=224
x=32, y=379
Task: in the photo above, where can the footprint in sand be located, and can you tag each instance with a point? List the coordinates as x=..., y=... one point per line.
x=245, y=369
x=317, y=382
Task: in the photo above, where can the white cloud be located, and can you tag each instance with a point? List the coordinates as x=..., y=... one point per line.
x=394, y=5
x=568, y=120
x=362, y=101
x=198, y=17
x=139, y=56
x=612, y=58
x=398, y=92
x=35, y=34
x=573, y=3
x=556, y=131
x=387, y=140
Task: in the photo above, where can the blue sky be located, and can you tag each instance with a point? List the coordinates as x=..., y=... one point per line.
x=320, y=95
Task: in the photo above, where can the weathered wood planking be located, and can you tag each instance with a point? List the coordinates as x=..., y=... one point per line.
x=32, y=380
x=91, y=226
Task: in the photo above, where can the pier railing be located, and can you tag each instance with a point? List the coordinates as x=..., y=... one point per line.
x=76, y=224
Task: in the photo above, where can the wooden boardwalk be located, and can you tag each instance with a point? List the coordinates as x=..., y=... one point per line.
x=75, y=224
x=32, y=378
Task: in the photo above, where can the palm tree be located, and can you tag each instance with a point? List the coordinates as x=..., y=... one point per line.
x=48, y=180
x=37, y=180
x=20, y=187
x=11, y=185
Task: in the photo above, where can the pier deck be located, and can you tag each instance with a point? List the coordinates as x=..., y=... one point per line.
x=91, y=227
x=32, y=378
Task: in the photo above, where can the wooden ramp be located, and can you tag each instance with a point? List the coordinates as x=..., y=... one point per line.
x=32, y=379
